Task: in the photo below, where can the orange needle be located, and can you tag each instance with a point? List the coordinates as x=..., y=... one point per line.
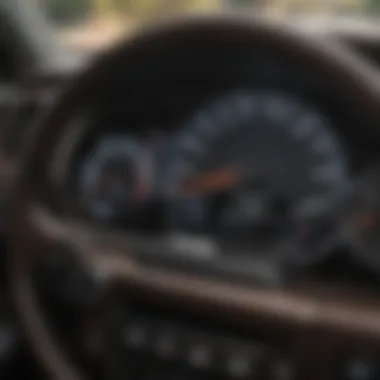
x=366, y=221
x=212, y=181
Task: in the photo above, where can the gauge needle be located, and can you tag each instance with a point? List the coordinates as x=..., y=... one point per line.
x=366, y=221
x=143, y=177
x=206, y=182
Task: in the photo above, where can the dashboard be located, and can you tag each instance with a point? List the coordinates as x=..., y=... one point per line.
x=261, y=181
x=227, y=175
x=187, y=168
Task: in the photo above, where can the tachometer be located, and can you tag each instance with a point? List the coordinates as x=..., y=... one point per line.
x=114, y=178
x=262, y=173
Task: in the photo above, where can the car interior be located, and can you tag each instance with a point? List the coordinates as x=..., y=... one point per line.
x=139, y=237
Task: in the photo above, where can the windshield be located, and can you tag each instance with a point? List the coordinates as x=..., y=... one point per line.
x=94, y=24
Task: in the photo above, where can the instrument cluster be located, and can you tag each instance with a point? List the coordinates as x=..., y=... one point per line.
x=257, y=175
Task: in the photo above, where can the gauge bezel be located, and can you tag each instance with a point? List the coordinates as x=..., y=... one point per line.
x=190, y=135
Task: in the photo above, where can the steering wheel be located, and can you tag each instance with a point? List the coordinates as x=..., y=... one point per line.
x=38, y=230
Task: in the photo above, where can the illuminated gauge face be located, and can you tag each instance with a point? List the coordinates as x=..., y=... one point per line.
x=112, y=179
x=262, y=170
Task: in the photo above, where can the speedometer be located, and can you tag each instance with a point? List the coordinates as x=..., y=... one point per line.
x=262, y=173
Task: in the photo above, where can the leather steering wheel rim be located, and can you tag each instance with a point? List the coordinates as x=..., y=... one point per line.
x=334, y=63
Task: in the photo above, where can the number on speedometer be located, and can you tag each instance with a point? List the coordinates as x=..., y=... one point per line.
x=261, y=170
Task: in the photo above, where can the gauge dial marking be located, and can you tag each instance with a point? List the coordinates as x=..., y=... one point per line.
x=272, y=167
